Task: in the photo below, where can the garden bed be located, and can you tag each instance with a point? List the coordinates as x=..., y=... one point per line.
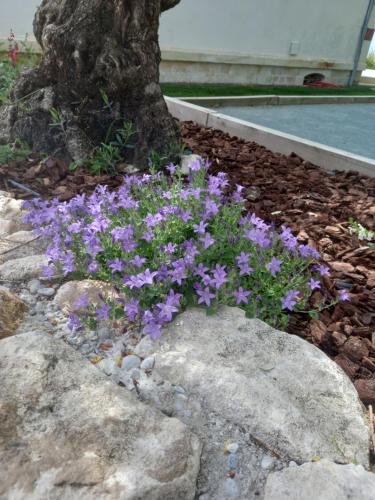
x=285, y=190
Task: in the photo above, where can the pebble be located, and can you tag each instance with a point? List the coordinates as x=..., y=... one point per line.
x=178, y=389
x=146, y=347
x=232, y=447
x=231, y=488
x=46, y=292
x=34, y=286
x=130, y=362
x=292, y=464
x=107, y=365
x=232, y=461
x=267, y=462
x=148, y=363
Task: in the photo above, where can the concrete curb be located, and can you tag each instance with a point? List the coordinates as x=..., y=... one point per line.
x=325, y=156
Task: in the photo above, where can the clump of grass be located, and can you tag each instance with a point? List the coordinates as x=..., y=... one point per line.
x=14, y=152
x=370, y=61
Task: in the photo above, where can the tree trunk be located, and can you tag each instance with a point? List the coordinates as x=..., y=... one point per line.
x=92, y=49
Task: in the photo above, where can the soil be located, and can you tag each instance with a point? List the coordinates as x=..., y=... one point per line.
x=315, y=203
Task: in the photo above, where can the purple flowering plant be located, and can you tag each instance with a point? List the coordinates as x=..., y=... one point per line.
x=165, y=242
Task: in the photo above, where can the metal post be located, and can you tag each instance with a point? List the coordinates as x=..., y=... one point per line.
x=362, y=34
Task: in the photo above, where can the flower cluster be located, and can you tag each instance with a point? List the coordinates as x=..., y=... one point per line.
x=166, y=242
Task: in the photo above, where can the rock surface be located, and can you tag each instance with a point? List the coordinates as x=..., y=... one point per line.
x=24, y=268
x=21, y=244
x=323, y=480
x=12, y=311
x=289, y=393
x=69, y=293
x=68, y=432
x=272, y=393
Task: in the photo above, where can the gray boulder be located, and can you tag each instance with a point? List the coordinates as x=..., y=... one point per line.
x=21, y=244
x=23, y=268
x=67, y=432
x=322, y=480
x=275, y=395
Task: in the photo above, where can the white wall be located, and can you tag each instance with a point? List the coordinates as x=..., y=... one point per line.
x=243, y=40
x=325, y=28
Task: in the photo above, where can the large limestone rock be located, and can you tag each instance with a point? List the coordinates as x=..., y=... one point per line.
x=275, y=395
x=69, y=433
x=69, y=293
x=12, y=312
x=322, y=480
x=289, y=393
x=21, y=244
x=11, y=215
x=23, y=268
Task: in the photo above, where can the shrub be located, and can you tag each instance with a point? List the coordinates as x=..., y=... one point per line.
x=370, y=61
x=166, y=243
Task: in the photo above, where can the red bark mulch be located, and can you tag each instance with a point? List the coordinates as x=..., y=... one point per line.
x=285, y=190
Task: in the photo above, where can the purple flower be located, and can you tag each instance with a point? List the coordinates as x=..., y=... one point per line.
x=148, y=236
x=195, y=165
x=152, y=329
x=241, y=296
x=166, y=310
x=185, y=216
x=219, y=276
x=169, y=249
x=307, y=251
x=173, y=298
x=237, y=196
x=103, y=311
x=116, y=265
x=322, y=270
x=289, y=241
x=153, y=220
x=132, y=309
x=211, y=208
x=74, y=322
x=147, y=277
x=82, y=302
x=290, y=301
x=314, y=284
x=171, y=168
x=205, y=296
x=138, y=261
x=200, y=270
x=93, y=267
x=258, y=236
x=207, y=240
x=178, y=274
x=274, y=266
x=200, y=228
x=344, y=295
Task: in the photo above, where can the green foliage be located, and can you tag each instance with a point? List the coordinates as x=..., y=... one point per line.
x=370, y=61
x=362, y=233
x=13, y=152
x=171, y=154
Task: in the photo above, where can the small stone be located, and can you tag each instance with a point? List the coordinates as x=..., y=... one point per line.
x=130, y=362
x=267, y=462
x=232, y=447
x=232, y=461
x=292, y=464
x=186, y=162
x=46, y=292
x=34, y=286
x=146, y=347
x=107, y=366
x=178, y=389
x=231, y=488
x=148, y=363
x=135, y=374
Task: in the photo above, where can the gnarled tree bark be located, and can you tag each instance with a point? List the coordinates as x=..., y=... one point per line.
x=92, y=48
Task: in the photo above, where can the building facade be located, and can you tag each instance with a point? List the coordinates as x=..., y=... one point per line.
x=266, y=42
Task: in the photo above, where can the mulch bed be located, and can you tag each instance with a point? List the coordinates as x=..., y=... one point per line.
x=283, y=190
